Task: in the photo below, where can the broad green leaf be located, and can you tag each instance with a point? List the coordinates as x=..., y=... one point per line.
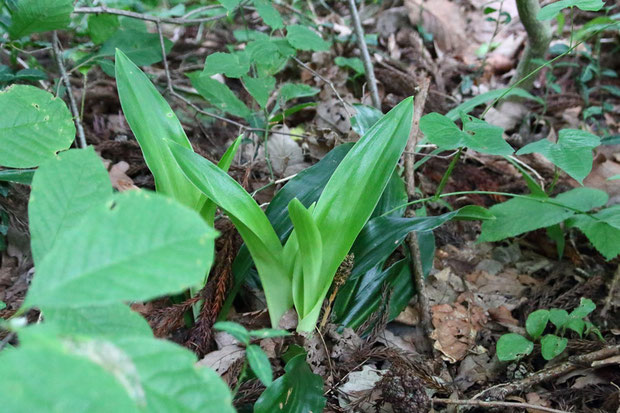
x=572, y=152
x=63, y=190
x=513, y=346
x=102, y=26
x=556, y=234
x=558, y=317
x=232, y=65
x=36, y=16
x=602, y=229
x=298, y=390
x=304, y=38
x=234, y=329
x=551, y=10
x=552, y=346
x=536, y=323
x=249, y=220
x=154, y=124
x=576, y=324
x=100, y=261
x=342, y=210
x=259, y=362
x=394, y=196
x=230, y=5
x=2, y=305
x=365, y=117
x=520, y=215
x=140, y=48
x=476, y=134
x=483, y=98
x=614, y=178
x=171, y=380
x=18, y=176
x=354, y=63
x=269, y=14
x=473, y=213
x=306, y=292
x=260, y=88
x=115, y=320
x=307, y=186
x=34, y=125
x=367, y=294
x=586, y=306
x=49, y=378
x=219, y=95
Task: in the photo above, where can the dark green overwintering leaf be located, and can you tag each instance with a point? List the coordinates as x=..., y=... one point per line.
x=34, y=125
x=219, y=95
x=63, y=190
x=365, y=117
x=100, y=262
x=572, y=153
x=551, y=10
x=304, y=38
x=36, y=16
x=18, y=176
x=602, y=229
x=298, y=390
x=259, y=363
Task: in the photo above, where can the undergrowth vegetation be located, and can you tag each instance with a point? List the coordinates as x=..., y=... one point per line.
x=336, y=226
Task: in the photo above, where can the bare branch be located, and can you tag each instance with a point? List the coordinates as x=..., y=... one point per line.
x=146, y=17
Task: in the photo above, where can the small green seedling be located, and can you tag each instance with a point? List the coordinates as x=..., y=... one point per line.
x=514, y=346
x=255, y=356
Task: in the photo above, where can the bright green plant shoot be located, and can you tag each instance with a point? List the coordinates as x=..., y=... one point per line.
x=300, y=272
x=513, y=346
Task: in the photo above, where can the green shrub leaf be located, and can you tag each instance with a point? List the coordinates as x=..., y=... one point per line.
x=36, y=16
x=63, y=189
x=586, y=306
x=232, y=65
x=34, y=125
x=489, y=96
x=141, y=48
x=234, y=329
x=219, y=95
x=552, y=346
x=558, y=317
x=536, y=323
x=138, y=264
x=354, y=63
x=513, y=346
x=602, y=229
x=551, y=10
x=572, y=152
x=304, y=38
x=298, y=390
x=365, y=117
x=102, y=26
x=269, y=14
x=259, y=362
x=260, y=88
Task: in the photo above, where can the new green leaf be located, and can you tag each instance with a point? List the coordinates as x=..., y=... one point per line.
x=552, y=346
x=34, y=125
x=536, y=323
x=513, y=346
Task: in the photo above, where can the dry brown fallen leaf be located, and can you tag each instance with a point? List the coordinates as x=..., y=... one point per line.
x=442, y=18
x=456, y=327
x=118, y=177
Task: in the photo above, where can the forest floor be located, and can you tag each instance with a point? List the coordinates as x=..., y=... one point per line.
x=476, y=291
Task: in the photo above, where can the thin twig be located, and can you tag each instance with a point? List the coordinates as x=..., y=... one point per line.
x=67, y=82
x=328, y=82
x=572, y=364
x=480, y=403
x=145, y=17
x=361, y=43
x=611, y=294
x=412, y=239
x=164, y=57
